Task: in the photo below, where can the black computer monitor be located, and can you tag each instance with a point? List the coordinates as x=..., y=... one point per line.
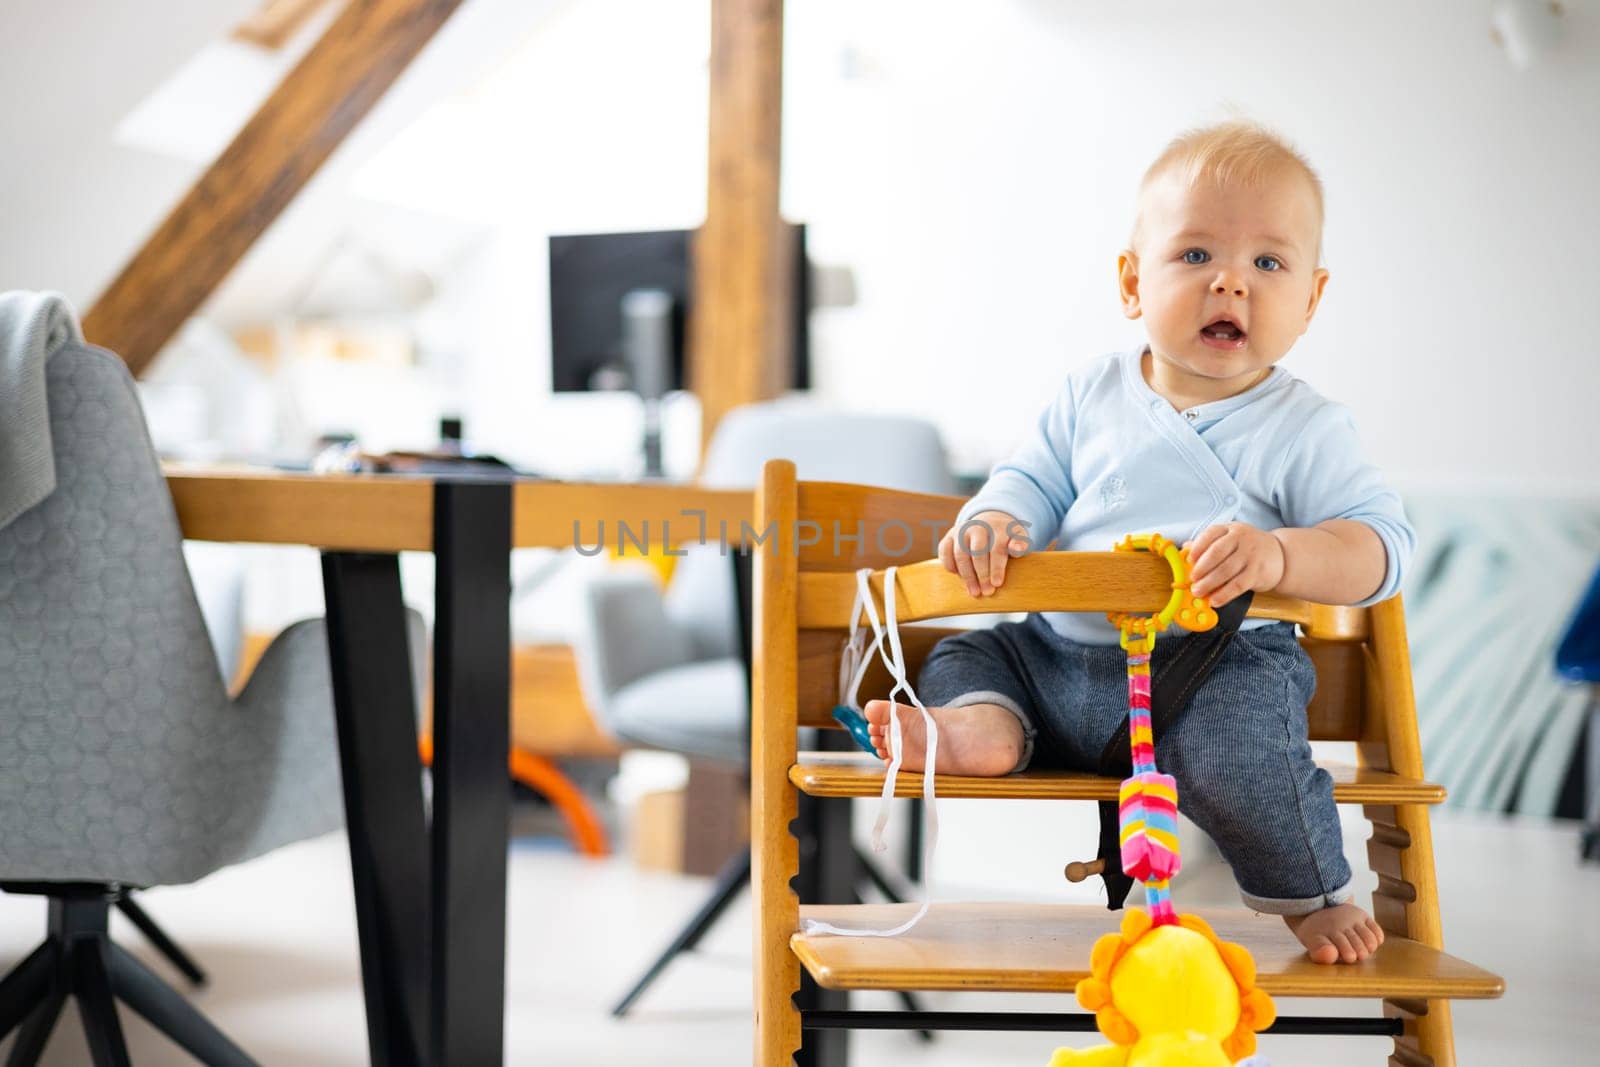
x=591, y=273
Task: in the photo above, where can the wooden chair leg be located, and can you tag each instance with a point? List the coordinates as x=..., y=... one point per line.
x=777, y=969
x=774, y=803
x=777, y=1017
x=1406, y=904
x=1427, y=1041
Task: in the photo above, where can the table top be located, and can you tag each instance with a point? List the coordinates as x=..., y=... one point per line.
x=394, y=513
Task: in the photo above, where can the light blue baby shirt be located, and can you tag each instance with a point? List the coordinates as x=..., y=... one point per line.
x=1110, y=457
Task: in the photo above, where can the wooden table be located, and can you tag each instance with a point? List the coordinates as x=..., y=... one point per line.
x=430, y=893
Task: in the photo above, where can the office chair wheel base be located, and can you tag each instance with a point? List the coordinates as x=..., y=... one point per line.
x=79, y=959
x=159, y=940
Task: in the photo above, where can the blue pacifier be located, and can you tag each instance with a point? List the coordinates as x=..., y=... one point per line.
x=855, y=722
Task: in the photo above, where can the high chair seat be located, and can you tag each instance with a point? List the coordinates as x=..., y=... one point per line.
x=1044, y=948
x=846, y=774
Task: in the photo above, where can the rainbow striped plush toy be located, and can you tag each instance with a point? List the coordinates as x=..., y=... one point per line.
x=1164, y=989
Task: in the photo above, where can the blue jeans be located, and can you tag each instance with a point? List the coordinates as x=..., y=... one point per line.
x=1240, y=751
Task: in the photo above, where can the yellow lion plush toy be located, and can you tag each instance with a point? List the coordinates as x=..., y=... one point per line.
x=1170, y=996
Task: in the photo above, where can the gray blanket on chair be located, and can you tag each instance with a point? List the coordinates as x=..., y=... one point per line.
x=32, y=326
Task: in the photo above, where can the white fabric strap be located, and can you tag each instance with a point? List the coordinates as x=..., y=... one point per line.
x=893, y=657
x=857, y=656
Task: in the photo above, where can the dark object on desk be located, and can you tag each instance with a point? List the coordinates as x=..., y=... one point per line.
x=1578, y=660
x=440, y=462
x=452, y=456
x=589, y=276
x=591, y=273
x=619, y=305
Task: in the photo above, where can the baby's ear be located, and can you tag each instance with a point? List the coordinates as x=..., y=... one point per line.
x=1319, y=282
x=1128, y=282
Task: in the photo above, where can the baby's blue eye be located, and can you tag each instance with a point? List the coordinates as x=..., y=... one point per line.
x=1196, y=255
x=1268, y=263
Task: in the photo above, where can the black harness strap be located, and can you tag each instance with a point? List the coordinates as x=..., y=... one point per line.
x=1170, y=692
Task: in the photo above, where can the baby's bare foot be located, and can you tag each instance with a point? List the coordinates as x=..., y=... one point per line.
x=981, y=740
x=1340, y=934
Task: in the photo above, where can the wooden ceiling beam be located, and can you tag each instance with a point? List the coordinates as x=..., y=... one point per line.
x=356, y=60
x=742, y=329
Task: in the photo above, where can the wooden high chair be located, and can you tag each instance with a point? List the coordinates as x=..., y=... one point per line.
x=804, y=592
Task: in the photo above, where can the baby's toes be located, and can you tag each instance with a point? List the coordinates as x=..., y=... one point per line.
x=1345, y=945
x=1358, y=946
x=1321, y=950
x=1366, y=938
x=877, y=713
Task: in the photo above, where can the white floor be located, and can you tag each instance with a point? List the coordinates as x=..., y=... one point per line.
x=278, y=936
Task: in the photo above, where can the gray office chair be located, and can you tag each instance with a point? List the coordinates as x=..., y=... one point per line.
x=218, y=579
x=668, y=671
x=123, y=762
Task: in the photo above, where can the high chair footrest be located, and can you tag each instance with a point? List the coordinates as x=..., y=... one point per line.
x=1073, y=1022
x=860, y=774
x=1044, y=948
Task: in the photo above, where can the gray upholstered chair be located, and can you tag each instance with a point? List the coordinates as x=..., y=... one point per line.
x=123, y=762
x=667, y=671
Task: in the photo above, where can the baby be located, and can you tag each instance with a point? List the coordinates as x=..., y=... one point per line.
x=1197, y=435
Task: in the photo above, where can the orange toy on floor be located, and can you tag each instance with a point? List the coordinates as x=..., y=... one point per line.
x=541, y=775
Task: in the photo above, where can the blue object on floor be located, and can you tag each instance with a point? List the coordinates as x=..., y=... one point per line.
x=1578, y=660
x=856, y=723
x=1578, y=655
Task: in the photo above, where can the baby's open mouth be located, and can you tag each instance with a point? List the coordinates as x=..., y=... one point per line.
x=1223, y=333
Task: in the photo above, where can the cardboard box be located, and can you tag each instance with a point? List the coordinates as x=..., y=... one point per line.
x=655, y=831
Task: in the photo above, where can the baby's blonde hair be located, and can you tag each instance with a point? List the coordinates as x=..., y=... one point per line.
x=1231, y=153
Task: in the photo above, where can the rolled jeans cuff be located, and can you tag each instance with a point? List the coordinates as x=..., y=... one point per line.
x=989, y=696
x=1300, y=906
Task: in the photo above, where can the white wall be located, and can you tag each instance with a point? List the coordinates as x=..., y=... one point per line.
x=978, y=171
x=974, y=164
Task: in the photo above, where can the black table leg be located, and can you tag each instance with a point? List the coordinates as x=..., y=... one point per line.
x=471, y=789
x=382, y=772
x=828, y=872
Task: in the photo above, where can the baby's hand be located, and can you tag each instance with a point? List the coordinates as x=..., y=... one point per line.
x=1227, y=560
x=979, y=548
